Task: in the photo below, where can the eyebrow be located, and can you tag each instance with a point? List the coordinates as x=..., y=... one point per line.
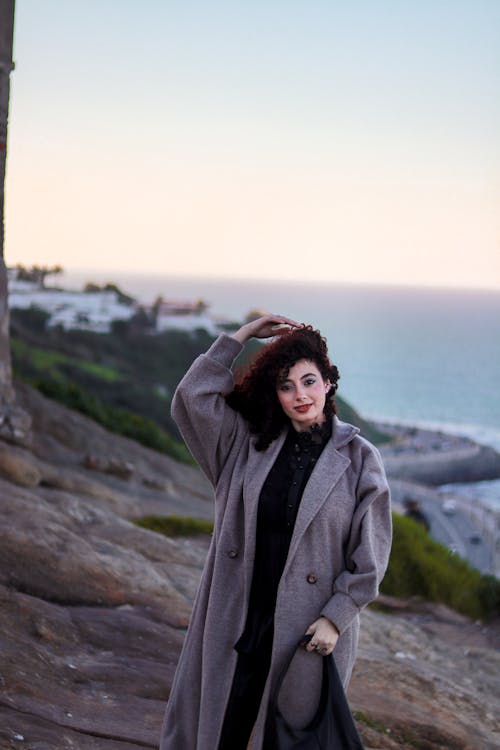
x=306, y=375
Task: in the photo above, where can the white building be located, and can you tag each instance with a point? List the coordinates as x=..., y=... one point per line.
x=184, y=316
x=93, y=311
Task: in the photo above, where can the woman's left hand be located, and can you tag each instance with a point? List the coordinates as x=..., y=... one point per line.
x=324, y=636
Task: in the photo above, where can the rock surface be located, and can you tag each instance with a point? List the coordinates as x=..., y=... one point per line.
x=93, y=609
x=428, y=680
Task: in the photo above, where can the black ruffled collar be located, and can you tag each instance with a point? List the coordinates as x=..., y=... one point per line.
x=317, y=434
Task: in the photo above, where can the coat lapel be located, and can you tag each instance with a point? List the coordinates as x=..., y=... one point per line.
x=330, y=467
x=258, y=467
x=327, y=472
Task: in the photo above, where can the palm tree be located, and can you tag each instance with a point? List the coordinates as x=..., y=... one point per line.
x=14, y=423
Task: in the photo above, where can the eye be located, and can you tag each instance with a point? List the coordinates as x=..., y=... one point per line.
x=284, y=388
x=310, y=381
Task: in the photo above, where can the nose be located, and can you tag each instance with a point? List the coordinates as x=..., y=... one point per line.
x=300, y=393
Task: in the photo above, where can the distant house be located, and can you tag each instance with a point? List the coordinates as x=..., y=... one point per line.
x=183, y=315
x=95, y=308
x=92, y=310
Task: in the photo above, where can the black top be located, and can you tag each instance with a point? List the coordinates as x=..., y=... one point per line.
x=278, y=507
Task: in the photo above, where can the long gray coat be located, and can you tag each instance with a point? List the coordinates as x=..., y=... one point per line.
x=337, y=557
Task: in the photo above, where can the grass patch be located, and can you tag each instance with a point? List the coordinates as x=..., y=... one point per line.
x=176, y=525
x=367, y=721
x=50, y=362
x=38, y=358
x=127, y=369
x=419, y=566
x=100, y=371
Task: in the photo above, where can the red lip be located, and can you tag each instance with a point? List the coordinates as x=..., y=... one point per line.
x=303, y=409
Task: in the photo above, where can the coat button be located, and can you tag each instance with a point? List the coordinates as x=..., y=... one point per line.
x=232, y=553
x=311, y=578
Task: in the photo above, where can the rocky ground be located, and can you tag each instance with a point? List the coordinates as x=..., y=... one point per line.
x=427, y=677
x=93, y=608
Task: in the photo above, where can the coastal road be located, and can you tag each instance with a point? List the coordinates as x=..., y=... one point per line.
x=466, y=531
x=457, y=533
x=418, y=462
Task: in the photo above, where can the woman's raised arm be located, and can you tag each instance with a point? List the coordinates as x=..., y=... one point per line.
x=211, y=428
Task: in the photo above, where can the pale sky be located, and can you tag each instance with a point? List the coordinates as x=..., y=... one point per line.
x=287, y=139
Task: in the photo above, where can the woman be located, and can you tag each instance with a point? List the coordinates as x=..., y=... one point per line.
x=301, y=539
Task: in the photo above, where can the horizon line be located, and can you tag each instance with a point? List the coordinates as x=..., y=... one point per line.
x=284, y=282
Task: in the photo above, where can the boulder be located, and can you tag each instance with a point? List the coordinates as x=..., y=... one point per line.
x=19, y=466
x=48, y=549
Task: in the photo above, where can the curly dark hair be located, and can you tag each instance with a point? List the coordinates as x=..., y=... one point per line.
x=254, y=395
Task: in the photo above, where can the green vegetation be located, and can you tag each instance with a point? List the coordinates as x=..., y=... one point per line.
x=101, y=371
x=124, y=380
x=67, y=368
x=40, y=359
x=125, y=299
x=123, y=422
x=363, y=718
x=49, y=362
x=176, y=525
x=348, y=414
x=37, y=274
x=419, y=566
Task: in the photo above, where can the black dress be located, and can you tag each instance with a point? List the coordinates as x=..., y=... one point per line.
x=279, y=503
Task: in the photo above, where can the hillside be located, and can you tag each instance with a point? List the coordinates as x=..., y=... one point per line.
x=128, y=369
x=119, y=377
x=94, y=609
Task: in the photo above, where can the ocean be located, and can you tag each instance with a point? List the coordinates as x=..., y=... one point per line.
x=423, y=356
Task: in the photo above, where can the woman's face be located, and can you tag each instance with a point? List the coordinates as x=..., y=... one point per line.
x=302, y=394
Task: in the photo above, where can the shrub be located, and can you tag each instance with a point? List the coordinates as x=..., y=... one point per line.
x=419, y=566
x=175, y=525
x=33, y=318
x=123, y=422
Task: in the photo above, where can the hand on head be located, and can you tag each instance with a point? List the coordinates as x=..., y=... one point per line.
x=265, y=327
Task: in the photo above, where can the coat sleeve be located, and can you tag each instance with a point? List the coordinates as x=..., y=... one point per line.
x=207, y=424
x=369, y=545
